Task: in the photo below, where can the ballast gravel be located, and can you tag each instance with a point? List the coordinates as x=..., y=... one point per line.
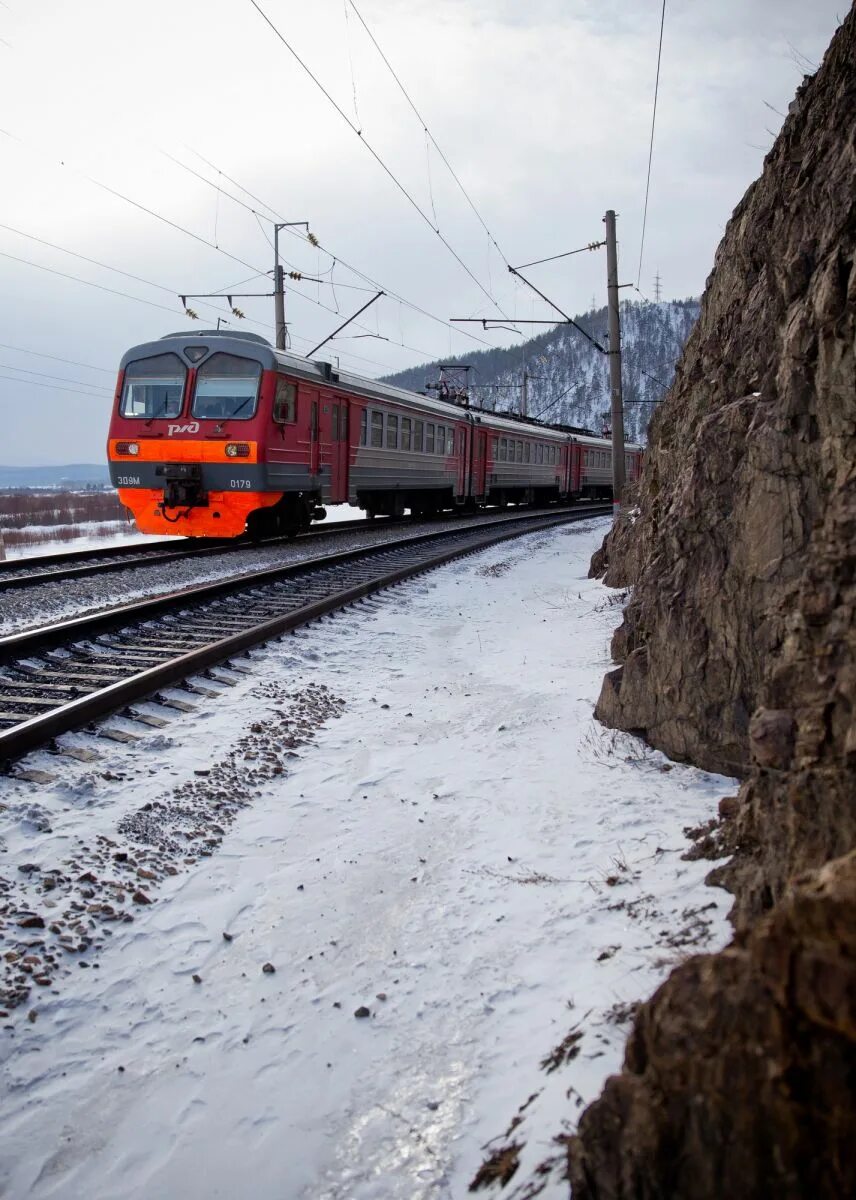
x=56, y=914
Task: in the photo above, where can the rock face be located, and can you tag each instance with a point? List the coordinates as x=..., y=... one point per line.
x=756, y=437
x=739, y=1075
x=738, y=653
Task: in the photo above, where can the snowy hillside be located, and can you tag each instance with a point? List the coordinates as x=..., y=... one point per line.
x=568, y=377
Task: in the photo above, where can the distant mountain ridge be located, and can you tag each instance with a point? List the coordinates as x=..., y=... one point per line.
x=569, y=377
x=66, y=475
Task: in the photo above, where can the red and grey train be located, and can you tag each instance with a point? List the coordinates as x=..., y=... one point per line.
x=219, y=434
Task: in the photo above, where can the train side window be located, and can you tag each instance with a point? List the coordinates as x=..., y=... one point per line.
x=450, y=441
x=418, y=427
x=405, y=433
x=528, y=452
x=520, y=452
x=377, y=430
x=496, y=449
x=391, y=431
x=285, y=403
x=364, y=426
x=441, y=439
x=462, y=443
x=429, y=439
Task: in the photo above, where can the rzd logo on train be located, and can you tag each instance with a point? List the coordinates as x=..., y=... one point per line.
x=193, y=427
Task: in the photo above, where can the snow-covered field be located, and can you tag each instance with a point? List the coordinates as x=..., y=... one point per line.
x=463, y=852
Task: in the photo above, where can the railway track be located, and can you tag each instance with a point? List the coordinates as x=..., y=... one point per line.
x=77, y=564
x=66, y=675
x=29, y=572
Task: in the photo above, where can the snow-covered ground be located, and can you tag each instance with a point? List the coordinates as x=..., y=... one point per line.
x=463, y=852
x=125, y=534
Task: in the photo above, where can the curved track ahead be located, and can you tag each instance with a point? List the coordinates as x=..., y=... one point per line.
x=63, y=676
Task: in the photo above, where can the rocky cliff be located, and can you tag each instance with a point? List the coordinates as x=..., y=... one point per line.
x=738, y=652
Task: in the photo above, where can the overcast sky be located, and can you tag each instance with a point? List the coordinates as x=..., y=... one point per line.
x=542, y=107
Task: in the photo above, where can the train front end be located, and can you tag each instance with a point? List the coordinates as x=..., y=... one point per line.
x=186, y=441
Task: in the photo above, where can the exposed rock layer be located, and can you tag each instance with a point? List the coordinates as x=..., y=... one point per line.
x=739, y=653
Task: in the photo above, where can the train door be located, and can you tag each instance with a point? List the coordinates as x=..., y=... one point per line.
x=480, y=465
x=576, y=468
x=314, y=432
x=339, y=451
x=461, y=458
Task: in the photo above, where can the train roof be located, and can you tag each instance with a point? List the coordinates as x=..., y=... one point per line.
x=258, y=348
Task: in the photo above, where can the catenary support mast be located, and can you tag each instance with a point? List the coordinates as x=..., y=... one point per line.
x=278, y=291
x=617, y=403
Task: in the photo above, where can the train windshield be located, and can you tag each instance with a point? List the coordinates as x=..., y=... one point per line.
x=154, y=387
x=227, y=388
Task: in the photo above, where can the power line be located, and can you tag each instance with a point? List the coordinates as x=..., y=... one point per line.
x=196, y=237
x=374, y=154
x=77, y=279
x=651, y=147
x=374, y=283
x=70, y=361
x=93, y=261
x=335, y=257
x=54, y=388
x=46, y=375
x=428, y=133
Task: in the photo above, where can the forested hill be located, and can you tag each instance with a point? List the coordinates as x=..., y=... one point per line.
x=569, y=378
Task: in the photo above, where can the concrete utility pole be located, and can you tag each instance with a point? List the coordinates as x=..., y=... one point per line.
x=278, y=290
x=617, y=403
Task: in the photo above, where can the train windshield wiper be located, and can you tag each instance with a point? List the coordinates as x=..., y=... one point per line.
x=243, y=404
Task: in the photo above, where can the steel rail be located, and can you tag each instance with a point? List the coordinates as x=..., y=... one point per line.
x=24, y=572
x=16, y=574
x=267, y=609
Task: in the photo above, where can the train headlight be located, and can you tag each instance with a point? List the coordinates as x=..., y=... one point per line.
x=238, y=450
x=127, y=448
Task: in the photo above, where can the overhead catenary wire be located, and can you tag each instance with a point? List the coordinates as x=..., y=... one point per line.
x=88, y=282
x=651, y=145
x=47, y=375
x=219, y=249
x=56, y=387
x=387, y=170
x=150, y=283
x=335, y=258
x=428, y=132
x=71, y=362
